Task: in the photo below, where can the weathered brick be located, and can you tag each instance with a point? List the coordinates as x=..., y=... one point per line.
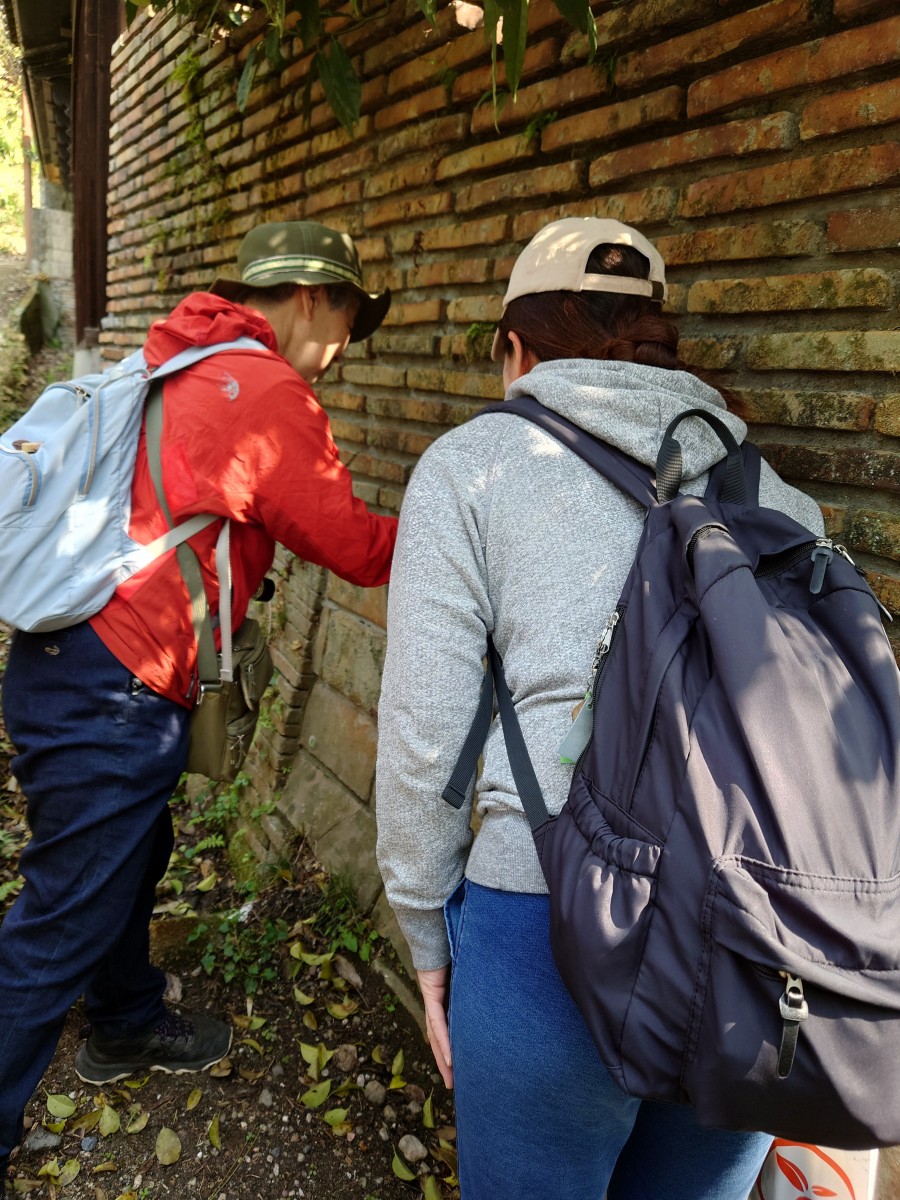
x=557, y=179
x=804, y=409
x=878, y=104
x=485, y=231
x=373, y=375
x=471, y=85
x=475, y=308
x=402, y=440
x=863, y=288
x=796, y=179
x=865, y=228
x=341, y=737
x=422, y=345
x=370, y=603
x=450, y=271
x=728, y=243
x=642, y=19
x=572, y=87
x=709, y=353
x=876, y=532
x=375, y=467
x=442, y=131
x=642, y=112
x=645, y=207
x=334, y=169
x=423, y=104
x=447, y=411
x=414, y=312
x=887, y=589
x=491, y=154
x=457, y=383
x=887, y=416
x=704, y=45
x=846, y=465
x=398, y=212
x=797, y=67
x=402, y=178
x=737, y=138
x=874, y=350
x=849, y=10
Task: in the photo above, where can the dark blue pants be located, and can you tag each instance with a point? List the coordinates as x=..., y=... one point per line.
x=98, y=756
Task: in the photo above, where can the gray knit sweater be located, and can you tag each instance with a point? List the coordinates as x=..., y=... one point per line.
x=505, y=531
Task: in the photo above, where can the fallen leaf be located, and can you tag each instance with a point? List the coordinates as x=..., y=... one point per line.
x=346, y=970
x=302, y=997
x=342, y=1011
x=207, y=884
x=251, y=1076
x=334, y=1116
x=109, y=1121
x=428, y=1112
x=400, y=1169
x=137, y=1122
x=213, y=1132
x=21, y=1185
x=86, y=1122
x=50, y=1168
x=60, y=1106
x=397, y=1082
x=316, y=1095
x=194, y=1099
x=168, y=1147
x=105, y=1166
x=309, y=1020
x=136, y=1084
x=397, y=1064
x=222, y=1068
x=378, y=1055
x=431, y=1189
x=54, y=1126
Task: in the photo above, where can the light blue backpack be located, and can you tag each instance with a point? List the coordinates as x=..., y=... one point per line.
x=66, y=469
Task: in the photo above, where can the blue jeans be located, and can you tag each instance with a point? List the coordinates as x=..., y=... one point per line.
x=98, y=757
x=537, y=1115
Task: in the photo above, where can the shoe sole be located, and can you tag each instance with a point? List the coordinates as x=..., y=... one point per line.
x=112, y=1073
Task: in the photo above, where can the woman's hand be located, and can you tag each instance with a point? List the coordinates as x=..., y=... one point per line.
x=434, y=993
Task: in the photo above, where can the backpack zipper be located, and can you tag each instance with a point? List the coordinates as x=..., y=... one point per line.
x=598, y=667
x=793, y=1009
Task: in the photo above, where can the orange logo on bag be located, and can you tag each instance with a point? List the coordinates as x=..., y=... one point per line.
x=831, y=1179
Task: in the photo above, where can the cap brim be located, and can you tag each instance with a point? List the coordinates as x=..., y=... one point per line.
x=373, y=306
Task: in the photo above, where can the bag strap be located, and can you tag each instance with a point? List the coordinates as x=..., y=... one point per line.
x=519, y=760
x=734, y=479
x=208, y=669
x=195, y=354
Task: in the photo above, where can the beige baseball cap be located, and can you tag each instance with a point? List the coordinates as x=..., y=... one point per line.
x=555, y=260
x=308, y=253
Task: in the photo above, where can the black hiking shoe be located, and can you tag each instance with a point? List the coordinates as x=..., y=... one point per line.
x=177, y=1045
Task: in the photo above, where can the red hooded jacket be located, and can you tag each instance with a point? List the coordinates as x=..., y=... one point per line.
x=245, y=437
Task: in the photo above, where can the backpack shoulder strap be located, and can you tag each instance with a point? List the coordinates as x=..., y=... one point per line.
x=626, y=473
x=195, y=354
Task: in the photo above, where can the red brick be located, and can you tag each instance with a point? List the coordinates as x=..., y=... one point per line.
x=729, y=243
x=451, y=271
x=414, y=312
x=710, y=353
x=489, y=155
x=408, y=345
x=642, y=112
x=673, y=55
x=398, y=212
x=806, y=409
x=403, y=178
x=334, y=169
x=423, y=104
x=457, y=383
x=447, y=411
x=797, y=179
x=443, y=132
x=411, y=42
x=643, y=19
x=557, y=179
x=483, y=232
x=876, y=532
x=646, y=207
x=849, y=10
x=481, y=309
x=737, y=138
x=473, y=84
x=572, y=87
x=863, y=288
x=878, y=104
x=798, y=67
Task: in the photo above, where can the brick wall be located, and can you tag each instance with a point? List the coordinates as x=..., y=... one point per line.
x=757, y=144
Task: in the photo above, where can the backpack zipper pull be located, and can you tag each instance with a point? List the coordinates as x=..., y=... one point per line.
x=822, y=555
x=794, y=1009
x=606, y=637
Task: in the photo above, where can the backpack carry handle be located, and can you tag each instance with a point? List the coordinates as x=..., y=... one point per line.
x=669, y=467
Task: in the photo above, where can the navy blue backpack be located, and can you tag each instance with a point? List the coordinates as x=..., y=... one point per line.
x=725, y=875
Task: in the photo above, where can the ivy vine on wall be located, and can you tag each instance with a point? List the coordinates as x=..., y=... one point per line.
x=321, y=25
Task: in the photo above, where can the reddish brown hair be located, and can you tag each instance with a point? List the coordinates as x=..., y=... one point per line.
x=596, y=324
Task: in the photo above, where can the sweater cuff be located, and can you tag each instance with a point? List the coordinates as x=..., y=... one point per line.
x=426, y=936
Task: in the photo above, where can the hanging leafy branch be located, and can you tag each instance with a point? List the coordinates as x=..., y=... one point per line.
x=320, y=25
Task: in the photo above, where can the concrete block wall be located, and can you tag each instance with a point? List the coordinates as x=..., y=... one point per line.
x=756, y=144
